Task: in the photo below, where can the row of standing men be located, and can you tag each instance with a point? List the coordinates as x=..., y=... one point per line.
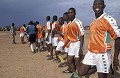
x=67, y=35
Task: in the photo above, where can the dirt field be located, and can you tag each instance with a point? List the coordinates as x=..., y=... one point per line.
x=17, y=61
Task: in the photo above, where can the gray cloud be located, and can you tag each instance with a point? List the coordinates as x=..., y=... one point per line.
x=22, y=11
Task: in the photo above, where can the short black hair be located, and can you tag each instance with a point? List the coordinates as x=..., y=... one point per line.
x=31, y=23
x=24, y=25
x=66, y=13
x=48, y=18
x=61, y=18
x=13, y=24
x=37, y=22
x=72, y=9
x=55, y=17
x=101, y=1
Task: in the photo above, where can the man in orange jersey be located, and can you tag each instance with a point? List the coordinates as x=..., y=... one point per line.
x=55, y=26
x=63, y=21
x=22, y=33
x=49, y=37
x=60, y=43
x=75, y=38
x=98, y=57
x=39, y=37
x=66, y=23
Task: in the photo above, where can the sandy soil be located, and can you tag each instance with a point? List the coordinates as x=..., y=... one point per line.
x=17, y=61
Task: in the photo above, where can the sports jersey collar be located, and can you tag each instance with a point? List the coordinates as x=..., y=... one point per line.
x=74, y=20
x=101, y=15
x=65, y=23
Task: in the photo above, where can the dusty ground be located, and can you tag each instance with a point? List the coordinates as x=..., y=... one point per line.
x=17, y=61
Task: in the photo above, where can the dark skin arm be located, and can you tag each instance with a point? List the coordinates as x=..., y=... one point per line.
x=117, y=50
x=65, y=44
x=81, y=44
x=59, y=33
x=48, y=34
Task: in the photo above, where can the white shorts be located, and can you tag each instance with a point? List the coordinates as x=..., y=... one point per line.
x=39, y=40
x=50, y=40
x=66, y=49
x=55, y=41
x=74, y=49
x=59, y=46
x=101, y=60
x=22, y=34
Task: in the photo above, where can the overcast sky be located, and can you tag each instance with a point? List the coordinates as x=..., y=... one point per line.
x=22, y=11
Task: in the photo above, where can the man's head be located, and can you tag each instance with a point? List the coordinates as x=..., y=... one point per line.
x=71, y=14
x=13, y=24
x=37, y=22
x=61, y=20
x=54, y=18
x=31, y=23
x=65, y=16
x=24, y=25
x=98, y=6
x=48, y=18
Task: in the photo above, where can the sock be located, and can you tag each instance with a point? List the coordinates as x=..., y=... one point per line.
x=49, y=53
x=36, y=47
x=32, y=48
x=60, y=57
x=75, y=74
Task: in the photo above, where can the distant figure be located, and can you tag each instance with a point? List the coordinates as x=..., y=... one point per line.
x=13, y=33
x=25, y=30
x=27, y=34
x=55, y=26
x=60, y=43
x=32, y=31
x=39, y=38
x=22, y=33
x=48, y=36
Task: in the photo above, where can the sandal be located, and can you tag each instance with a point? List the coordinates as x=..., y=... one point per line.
x=62, y=64
x=67, y=71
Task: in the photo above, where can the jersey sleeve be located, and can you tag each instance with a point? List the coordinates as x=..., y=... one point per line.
x=113, y=27
x=81, y=27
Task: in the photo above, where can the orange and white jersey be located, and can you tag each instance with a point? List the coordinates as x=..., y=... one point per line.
x=66, y=30
x=55, y=25
x=62, y=32
x=48, y=25
x=75, y=30
x=101, y=29
x=22, y=29
x=39, y=31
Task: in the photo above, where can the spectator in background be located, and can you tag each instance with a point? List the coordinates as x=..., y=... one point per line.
x=32, y=31
x=13, y=33
x=22, y=33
